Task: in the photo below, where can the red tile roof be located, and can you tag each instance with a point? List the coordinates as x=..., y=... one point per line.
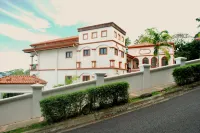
x=56, y=40
x=197, y=38
x=53, y=44
x=21, y=79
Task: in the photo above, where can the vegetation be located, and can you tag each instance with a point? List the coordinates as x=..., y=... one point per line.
x=28, y=128
x=187, y=74
x=19, y=72
x=7, y=95
x=127, y=43
x=70, y=81
x=190, y=50
x=60, y=107
x=159, y=39
x=58, y=85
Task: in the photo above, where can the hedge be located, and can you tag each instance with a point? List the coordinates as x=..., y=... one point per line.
x=60, y=107
x=187, y=74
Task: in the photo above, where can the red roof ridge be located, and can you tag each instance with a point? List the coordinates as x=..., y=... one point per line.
x=21, y=79
x=55, y=40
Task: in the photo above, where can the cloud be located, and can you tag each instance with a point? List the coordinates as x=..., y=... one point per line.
x=22, y=34
x=27, y=17
x=14, y=60
x=134, y=16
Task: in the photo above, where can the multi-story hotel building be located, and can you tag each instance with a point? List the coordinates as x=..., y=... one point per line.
x=98, y=48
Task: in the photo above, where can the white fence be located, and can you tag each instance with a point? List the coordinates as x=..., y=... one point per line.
x=26, y=106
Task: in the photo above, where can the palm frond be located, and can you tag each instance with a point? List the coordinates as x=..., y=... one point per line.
x=166, y=52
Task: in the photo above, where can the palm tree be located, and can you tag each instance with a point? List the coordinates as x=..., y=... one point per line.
x=159, y=39
x=127, y=42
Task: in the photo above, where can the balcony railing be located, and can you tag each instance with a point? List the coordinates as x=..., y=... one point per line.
x=34, y=67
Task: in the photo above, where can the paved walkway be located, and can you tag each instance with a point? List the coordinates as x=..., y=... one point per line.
x=178, y=115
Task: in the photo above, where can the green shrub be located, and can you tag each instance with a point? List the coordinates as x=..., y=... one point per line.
x=60, y=107
x=187, y=74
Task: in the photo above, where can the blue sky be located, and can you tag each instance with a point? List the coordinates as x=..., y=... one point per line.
x=24, y=17
x=23, y=22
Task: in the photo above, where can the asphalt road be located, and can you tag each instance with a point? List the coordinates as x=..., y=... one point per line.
x=178, y=115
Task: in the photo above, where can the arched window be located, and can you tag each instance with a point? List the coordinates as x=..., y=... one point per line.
x=145, y=60
x=164, y=61
x=153, y=62
x=135, y=63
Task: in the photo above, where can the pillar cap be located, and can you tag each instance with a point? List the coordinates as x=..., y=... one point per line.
x=37, y=86
x=145, y=65
x=100, y=74
x=181, y=58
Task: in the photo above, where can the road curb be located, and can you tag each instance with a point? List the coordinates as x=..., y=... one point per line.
x=105, y=114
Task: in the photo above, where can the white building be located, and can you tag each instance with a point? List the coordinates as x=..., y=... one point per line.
x=144, y=54
x=97, y=48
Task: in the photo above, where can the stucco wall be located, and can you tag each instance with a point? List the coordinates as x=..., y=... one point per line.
x=14, y=109
x=20, y=107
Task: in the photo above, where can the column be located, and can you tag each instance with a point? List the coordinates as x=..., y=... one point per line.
x=100, y=78
x=37, y=96
x=181, y=61
x=146, y=80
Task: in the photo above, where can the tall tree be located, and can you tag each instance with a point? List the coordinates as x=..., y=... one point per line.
x=159, y=39
x=198, y=34
x=127, y=43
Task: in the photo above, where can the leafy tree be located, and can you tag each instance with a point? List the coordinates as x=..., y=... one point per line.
x=19, y=72
x=198, y=34
x=190, y=50
x=159, y=39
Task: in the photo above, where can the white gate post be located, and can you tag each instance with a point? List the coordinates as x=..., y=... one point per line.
x=37, y=96
x=146, y=81
x=181, y=61
x=100, y=78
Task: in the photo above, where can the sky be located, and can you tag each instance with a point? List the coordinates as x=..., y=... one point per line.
x=23, y=22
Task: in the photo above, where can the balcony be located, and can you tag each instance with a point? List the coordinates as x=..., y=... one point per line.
x=33, y=67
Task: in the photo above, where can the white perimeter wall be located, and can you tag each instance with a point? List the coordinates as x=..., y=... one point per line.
x=20, y=107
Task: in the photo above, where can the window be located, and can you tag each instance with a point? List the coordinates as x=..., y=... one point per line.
x=104, y=33
x=86, y=52
x=145, y=60
x=135, y=63
x=122, y=39
x=116, y=51
x=93, y=64
x=112, y=63
x=78, y=64
x=153, y=62
x=102, y=51
x=122, y=54
x=115, y=34
x=85, y=36
x=86, y=78
x=94, y=35
x=120, y=63
x=69, y=54
x=164, y=61
x=119, y=37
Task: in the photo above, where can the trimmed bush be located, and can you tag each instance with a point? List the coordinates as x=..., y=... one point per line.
x=60, y=107
x=187, y=74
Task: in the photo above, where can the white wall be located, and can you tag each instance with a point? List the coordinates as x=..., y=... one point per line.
x=15, y=109
x=20, y=107
x=15, y=88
